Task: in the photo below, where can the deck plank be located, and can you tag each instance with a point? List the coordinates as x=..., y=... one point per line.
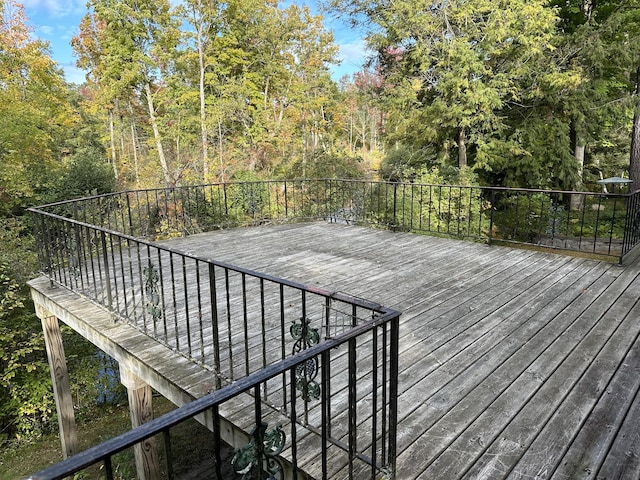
x=500, y=396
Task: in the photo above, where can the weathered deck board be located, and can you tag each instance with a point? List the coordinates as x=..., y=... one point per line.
x=491, y=334
x=513, y=363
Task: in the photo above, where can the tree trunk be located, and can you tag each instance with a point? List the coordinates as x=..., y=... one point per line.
x=577, y=200
x=351, y=143
x=220, y=151
x=462, y=148
x=112, y=139
x=134, y=146
x=203, y=111
x=156, y=135
x=578, y=145
x=634, y=159
x=123, y=148
x=579, y=154
x=587, y=9
x=374, y=140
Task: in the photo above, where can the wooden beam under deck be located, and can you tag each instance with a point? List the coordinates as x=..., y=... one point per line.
x=513, y=363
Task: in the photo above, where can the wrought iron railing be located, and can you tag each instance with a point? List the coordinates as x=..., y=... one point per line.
x=109, y=249
x=337, y=447
x=600, y=224
x=238, y=323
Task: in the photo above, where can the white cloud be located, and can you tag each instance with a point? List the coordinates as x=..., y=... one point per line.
x=73, y=74
x=56, y=8
x=352, y=55
x=45, y=29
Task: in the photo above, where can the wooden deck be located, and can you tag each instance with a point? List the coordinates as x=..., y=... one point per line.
x=513, y=363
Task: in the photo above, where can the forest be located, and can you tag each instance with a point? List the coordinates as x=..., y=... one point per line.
x=518, y=93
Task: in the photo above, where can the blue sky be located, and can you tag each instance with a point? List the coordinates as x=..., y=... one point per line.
x=56, y=21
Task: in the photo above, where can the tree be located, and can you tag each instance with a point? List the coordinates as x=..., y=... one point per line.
x=207, y=20
x=34, y=113
x=366, y=116
x=128, y=47
x=458, y=64
x=601, y=40
x=634, y=159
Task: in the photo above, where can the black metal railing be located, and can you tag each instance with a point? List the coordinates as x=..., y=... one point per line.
x=337, y=446
x=243, y=324
x=239, y=324
x=600, y=224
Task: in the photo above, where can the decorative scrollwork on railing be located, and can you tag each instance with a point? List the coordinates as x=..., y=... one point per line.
x=247, y=457
x=151, y=278
x=306, y=373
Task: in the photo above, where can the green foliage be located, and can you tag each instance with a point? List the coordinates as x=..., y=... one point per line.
x=459, y=65
x=27, y=408
x=536, y=217
x=601, y=40
x=26, y=404
x=94, y=377
x=536, y=155
x=435, y=201
x=405, y=161
x=86, y=173
x=326, y=165
x=34, y=114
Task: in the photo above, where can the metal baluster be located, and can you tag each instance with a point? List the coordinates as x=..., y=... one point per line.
x=106, y=270
x=185, y=283
x=213, y=292
x=174, y=301
x=217, y=442
x=326, y=411
x=199, y=297
x=168, y=453
x=229, y=327
x=264, y=333
x=245, y=320
x=393, y=394
x=374, y=401
x=283, y=352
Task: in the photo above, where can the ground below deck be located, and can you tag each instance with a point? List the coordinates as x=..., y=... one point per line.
x=513, y=363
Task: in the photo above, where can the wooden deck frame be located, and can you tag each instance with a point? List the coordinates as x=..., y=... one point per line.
x=514, y=364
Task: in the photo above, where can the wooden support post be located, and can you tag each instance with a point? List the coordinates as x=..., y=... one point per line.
x=60, y=378
x=141, y=410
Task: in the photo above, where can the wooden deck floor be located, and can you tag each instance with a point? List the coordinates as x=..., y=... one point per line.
x=513, y=363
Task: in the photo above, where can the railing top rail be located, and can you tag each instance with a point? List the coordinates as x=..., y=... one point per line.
x=39, y=208
x=153, y=427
